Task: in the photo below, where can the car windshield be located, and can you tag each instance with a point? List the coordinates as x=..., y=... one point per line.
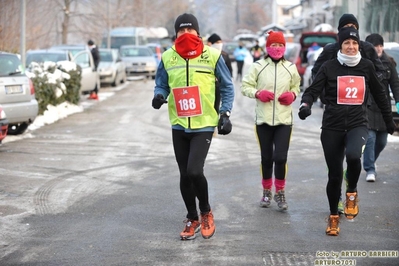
x=9, y=65
x=321, y=40
x=106, y=56
x=133, y=52
x=43, y=57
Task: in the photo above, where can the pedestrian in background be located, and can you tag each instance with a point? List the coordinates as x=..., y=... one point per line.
x=257, y=51
x=215, y=41
x=96, y=58
x=185, y=80
x=347, y=82
x=377, y=134
x=274, y=83
x=239, y=54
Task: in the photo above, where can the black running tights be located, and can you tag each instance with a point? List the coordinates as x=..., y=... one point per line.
x=191, y=150
x=336, y=146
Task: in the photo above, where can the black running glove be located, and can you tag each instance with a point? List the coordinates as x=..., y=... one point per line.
x=224, y=125
x=304, y=111
x=158, y=101
x=391, y=126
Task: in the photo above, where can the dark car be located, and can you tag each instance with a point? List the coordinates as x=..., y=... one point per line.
x=307, y=40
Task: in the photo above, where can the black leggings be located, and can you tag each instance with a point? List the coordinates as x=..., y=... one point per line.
x=240, y=65
x=336, y=146
x=191, y=150
x=274, y=142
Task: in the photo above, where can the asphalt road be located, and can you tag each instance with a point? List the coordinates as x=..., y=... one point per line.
x=101, y=188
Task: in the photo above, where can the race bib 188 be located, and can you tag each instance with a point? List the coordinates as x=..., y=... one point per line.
x=187, y=101
x=351, y=90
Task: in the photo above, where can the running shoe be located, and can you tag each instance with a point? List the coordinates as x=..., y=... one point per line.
x=351, y=206
x=279, y=197
x=370, y=177
x=190, y=229
x=93, y=96
x=266, y=199
x=332, y=225
x=207, y=225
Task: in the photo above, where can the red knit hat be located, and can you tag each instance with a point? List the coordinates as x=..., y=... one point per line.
x=275, y=37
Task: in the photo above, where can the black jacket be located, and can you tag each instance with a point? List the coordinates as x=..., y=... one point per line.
x=96, y=56
x=366, y=50
x=374, y=115
x=343, y=117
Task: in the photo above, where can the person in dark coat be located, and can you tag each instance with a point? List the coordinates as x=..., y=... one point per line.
x=366, y=50
x=378, y=135
x=347, y=82
x=215, y=41
x=96, y=58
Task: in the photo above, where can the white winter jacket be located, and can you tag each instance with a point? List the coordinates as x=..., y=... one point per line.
x=277, y=77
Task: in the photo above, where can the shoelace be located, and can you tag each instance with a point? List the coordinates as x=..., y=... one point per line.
x=334, y=221
x=281, y=197
x=351, y=203
x=206, y=221
x=188, y=226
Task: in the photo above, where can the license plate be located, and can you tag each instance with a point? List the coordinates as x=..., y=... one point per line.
x=14, y=89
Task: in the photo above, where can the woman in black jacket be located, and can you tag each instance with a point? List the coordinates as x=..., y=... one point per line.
x=347, y=81
x=378, y=135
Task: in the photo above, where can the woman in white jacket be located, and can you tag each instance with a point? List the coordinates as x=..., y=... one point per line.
x=274, y=83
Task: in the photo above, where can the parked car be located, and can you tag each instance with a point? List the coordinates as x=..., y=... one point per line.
x=82, y=56
x=3, y=124
x=41, y=56
x=393, y=51
x=139, y=60
x=156, y=49
x=307, y=40
x=112, y=69
x=307, y=76
x=17, y=94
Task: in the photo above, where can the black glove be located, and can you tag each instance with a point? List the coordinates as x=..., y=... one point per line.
x=391, y=126
x=158, y=101
x=224, y=125
x=304, y=111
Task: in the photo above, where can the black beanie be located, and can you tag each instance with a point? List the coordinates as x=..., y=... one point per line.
x=214, y=38
x=347, y=33
x=346, y=19
x=186, y=21
x=375, y=39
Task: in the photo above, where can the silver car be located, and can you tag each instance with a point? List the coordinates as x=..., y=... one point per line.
x=17, y=94
x=139, y=60
x=82, y=56
x=41, y=56
x=112, y=69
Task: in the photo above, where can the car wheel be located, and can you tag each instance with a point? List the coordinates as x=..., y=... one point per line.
x=17, y=129
x=113, y=84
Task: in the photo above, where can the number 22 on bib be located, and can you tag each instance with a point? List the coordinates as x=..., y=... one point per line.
x=351, y=90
